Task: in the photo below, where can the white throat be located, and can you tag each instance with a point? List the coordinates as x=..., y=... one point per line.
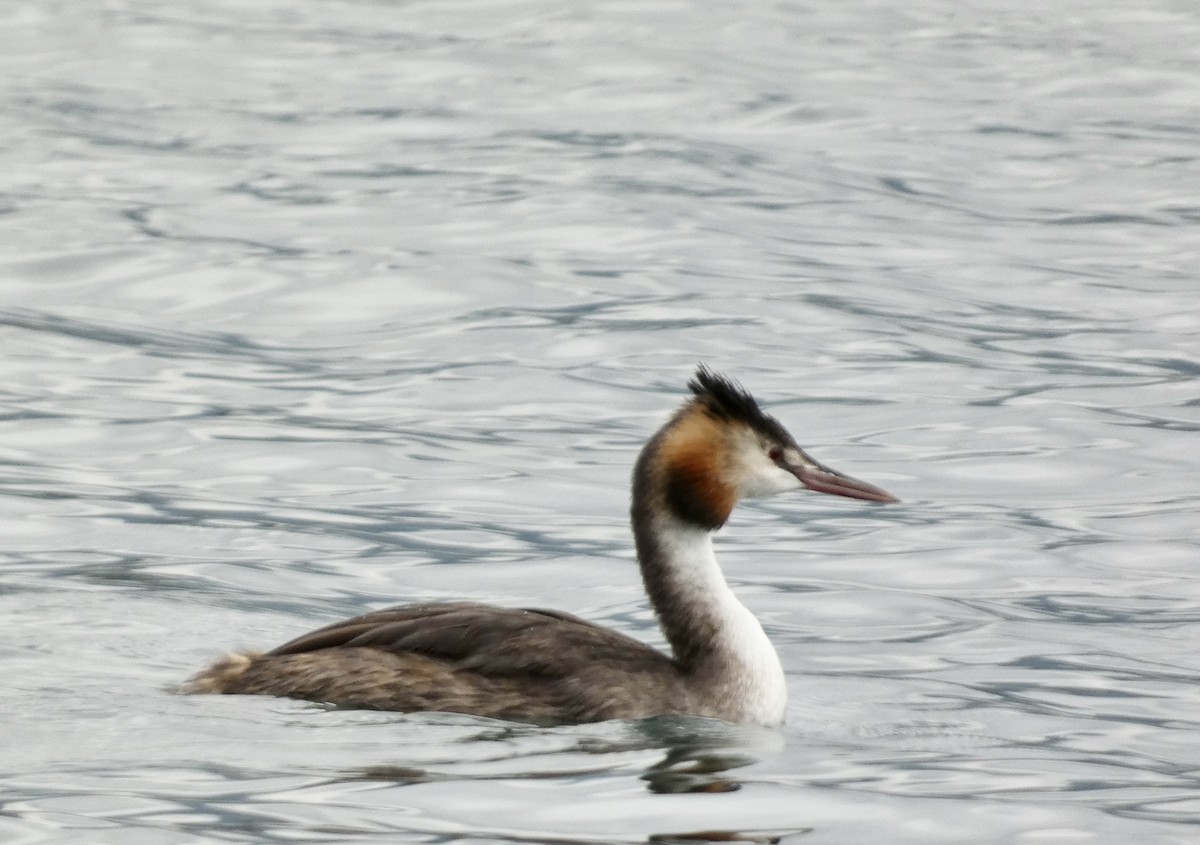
x=754, y=674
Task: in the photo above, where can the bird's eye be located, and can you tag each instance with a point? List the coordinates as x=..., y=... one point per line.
x=775, y=453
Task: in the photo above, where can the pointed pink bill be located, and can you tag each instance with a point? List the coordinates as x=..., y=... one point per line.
x=822, y=480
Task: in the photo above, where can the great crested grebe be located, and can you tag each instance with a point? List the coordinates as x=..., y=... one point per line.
x=546, y=666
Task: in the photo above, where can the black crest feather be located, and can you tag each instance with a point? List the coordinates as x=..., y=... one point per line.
x=725, y=399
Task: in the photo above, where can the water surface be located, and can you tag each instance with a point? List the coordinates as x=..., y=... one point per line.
x=306, y=309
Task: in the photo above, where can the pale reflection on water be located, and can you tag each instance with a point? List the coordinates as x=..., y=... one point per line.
x=308, y=309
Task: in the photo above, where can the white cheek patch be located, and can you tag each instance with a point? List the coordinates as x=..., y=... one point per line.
x=758, y=475
x=769, y=481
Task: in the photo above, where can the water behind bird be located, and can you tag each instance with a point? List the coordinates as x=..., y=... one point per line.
x=309, y=309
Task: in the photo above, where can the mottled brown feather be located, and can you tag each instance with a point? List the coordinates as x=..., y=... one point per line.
x=528, y=664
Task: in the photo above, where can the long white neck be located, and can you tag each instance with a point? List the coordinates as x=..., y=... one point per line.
x=718, y=643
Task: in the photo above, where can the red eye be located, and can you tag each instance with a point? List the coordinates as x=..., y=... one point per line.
x=775, y=454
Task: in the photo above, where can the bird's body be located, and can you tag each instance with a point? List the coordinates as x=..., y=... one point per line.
x=551, y=667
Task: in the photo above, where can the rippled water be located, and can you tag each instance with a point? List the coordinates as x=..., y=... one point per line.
x=308, y=308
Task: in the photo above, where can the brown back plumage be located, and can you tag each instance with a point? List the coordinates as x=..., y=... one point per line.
x=509, y=663
x=494, y=641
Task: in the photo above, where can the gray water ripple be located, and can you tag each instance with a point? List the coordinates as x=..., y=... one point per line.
x=172, y=344
x=310, y=309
